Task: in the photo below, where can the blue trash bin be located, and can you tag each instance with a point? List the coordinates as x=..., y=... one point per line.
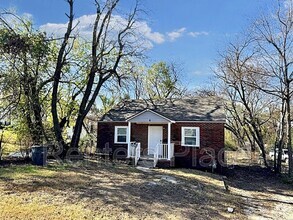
x=39, y=155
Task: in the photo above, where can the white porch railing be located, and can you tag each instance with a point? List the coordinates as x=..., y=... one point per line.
x=162, y=151
x=171, y=152
x=134, y=151
x=137, y=154
x=156, y=155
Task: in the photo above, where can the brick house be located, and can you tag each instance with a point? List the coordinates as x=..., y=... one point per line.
x=180, y=133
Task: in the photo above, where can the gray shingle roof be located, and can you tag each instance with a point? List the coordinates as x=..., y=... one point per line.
x=191, y=109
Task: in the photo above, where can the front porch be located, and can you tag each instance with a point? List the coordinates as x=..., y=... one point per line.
x=163, y=152
x=154, y=131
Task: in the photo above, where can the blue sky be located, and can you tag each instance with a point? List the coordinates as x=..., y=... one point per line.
x=189, y=32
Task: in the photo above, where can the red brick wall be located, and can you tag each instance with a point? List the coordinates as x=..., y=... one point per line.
x=106, y=138
x=211, y=136
x=139, y=133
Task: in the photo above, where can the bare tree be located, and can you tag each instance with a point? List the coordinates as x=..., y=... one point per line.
x=247, y=106
x=60, y=63
x=159, y=82
x=265, y=67
x=108, y=50
x=273, y=40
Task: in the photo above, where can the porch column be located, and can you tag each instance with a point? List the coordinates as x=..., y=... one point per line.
x=169, y=140
x=129, y=139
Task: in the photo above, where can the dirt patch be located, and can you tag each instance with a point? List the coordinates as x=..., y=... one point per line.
x=264, y=195
x=94, y=190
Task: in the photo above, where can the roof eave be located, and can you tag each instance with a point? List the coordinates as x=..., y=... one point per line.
x=149, y=110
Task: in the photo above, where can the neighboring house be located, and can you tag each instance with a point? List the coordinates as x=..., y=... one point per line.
x=179, y=132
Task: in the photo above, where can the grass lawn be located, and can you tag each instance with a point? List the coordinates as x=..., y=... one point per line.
x=94, y=190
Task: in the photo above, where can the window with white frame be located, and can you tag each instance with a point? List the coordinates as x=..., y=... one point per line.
x=120, y=134
x=190, y=136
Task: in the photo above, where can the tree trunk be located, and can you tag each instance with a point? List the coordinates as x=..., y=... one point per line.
x=258, y=137
x=279, y=158
x=77, y=132
x=289, y=133
x=32, y=109
x=56, y=80
x=85, y=107
x=263, y=153
x=37, y=110
x=1, y=139
x=280, y=138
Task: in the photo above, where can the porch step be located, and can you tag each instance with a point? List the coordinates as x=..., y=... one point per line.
x=148, y=163
x=147, y=158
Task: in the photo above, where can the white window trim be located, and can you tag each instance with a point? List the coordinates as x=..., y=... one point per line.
x=197, y=137
x=116, y=135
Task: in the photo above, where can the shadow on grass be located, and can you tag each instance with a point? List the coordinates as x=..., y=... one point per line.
x=126, y=189
x=138, y=193
x=255, y=178
x=7, y=162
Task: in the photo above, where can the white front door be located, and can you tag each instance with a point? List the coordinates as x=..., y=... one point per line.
x=155, y=136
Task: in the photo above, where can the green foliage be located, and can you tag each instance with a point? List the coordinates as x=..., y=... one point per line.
x=26, y=58
x=230, y=143
x=161, y=81
x=20, y=130
x=21, y=43
x=86, y=141
x=8, y=148
x=10, y=136
x=107, y=102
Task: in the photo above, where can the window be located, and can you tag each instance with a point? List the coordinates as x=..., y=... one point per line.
x=120, y=134
x=190, y=136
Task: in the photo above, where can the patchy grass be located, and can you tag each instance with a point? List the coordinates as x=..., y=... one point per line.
x=93, y=190
x=25, y=172
x=39, y=207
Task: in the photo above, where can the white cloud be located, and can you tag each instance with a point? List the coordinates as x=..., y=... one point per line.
x=145, y=29
x=196, y=34
x=54, y=29
x=176, y=34
x=142, y=30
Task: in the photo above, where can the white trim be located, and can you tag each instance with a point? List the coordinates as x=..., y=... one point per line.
x=164, y=123
x=201, y=122
x=116, y=133
x=151, y=123
x=148, y=110
x=197, y=136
